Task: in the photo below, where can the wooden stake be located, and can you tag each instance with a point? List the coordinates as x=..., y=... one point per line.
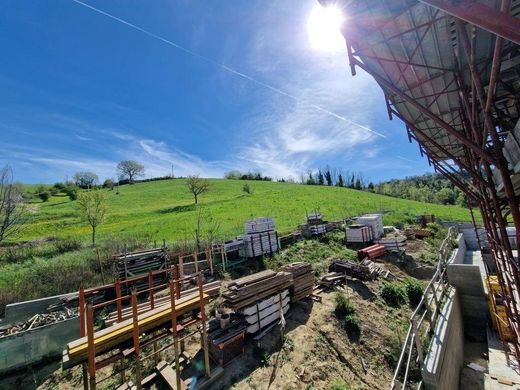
x=175, y=338
x=204, y=331
x=135, y=321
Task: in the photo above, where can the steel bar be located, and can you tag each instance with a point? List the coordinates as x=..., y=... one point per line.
x=487, y=18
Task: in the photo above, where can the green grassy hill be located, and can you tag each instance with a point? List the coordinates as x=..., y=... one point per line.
x=165, y=209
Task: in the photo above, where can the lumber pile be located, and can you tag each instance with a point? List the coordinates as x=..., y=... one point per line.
x=127, y=265
x=332, y=279
x=242, y=292
x=39, y=320
x=358, y=234
x=259, y=225
x=289, y=239
x=303, y=279
x=366, y=270
x=315, y=225
x=372, y=252
x=412, y=233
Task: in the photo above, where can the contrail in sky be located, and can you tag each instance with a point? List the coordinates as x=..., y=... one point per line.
x=224, y=67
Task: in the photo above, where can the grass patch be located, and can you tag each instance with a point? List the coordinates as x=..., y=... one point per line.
x=393, y=294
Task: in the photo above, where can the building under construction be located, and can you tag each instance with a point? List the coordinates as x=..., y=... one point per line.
x=450, y=70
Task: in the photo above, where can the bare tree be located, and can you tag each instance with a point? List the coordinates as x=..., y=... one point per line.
x=197, y=186
x=129, y=169
x=13, y=213
x=93, y=209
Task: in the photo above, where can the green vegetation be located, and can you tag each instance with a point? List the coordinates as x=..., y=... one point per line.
x=351, y=325
x=343, y=307
x=164, y=209
x=430, y=187
x=414, y=291
x=393, y=294
x=339, y=385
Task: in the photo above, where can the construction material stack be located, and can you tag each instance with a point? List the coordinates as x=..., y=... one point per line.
x=303, y=280
x=127, y=265
x=262, y=298
x=314, y=226
x=260, y=239
x=366, y=270
x=394, y=242
x=372, y=252
x=374, y=222
x=357, y=233
x=226, y=338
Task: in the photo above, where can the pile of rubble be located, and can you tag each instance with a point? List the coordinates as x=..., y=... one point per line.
x=39, y=320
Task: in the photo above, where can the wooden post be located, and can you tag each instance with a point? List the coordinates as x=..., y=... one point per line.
x=81, y=310
x=209, y=256
x=223, y=258
x=150, y=292
x=196, y=257
x=177, y=283
x=119, y=303
x=135, y=322
x=418, y=345
x=100, y=266
x=181, y=266
x=91, y=347
x=204, y=331
x=85, y=376
x=175, y=337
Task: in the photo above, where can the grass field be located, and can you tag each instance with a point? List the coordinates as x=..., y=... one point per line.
x=165, y=209
x=158, y=210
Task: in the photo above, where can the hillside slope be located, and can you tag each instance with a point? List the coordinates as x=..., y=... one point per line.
x=165, y=209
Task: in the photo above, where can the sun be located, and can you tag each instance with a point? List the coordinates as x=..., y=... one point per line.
x=324, y=28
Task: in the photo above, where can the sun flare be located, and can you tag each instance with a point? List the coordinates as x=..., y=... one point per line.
x=323, y=29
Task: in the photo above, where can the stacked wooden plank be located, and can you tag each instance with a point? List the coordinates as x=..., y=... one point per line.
x=303, y=279
x=366, y=270
x=38, y=320
x=372, y=252
x=417, y=233
x=374, y=222
x=264, y=313
x=332, y=279
x=396, y=243
x=358, y=234
x=314, y=226
x=249, y=289
x=126, y=265
x=289, y=239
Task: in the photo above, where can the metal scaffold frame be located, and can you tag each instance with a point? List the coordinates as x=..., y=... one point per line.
x=450, y=72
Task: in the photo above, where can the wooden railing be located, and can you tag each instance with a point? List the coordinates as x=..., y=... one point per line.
x=424, y=317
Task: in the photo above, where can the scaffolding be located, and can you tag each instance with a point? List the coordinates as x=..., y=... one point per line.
x=450, y=72
x=126, y=340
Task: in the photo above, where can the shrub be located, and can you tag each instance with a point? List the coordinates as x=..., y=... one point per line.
x=44, y=196
x=247, y=189
x=343, y=307
x=351, y=325
x=59, y=186
x=393, y=295
x=339, y=385
x=72, y=192
x=67, y=244
x=414, y=291
x=108, y=183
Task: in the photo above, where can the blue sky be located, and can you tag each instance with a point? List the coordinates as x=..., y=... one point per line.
x=81, y=91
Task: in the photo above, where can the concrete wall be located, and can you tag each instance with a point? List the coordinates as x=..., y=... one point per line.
x=32, y=346
x=442, y=365
x=21, y=311
x=465, y=273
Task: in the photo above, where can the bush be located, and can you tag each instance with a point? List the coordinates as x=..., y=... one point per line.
x=393, y=295
x=108, y=183
x=414, y=291
x=68, y=245
x=72, y=192
x=247, y=188
x=343, y=307
x=351, y=325
x=44, y=196
x=59, y=186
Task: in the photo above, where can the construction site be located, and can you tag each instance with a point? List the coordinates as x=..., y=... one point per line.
x=432, y=304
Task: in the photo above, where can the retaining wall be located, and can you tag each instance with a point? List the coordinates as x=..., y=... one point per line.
x=32, y=346
x=442, y=365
